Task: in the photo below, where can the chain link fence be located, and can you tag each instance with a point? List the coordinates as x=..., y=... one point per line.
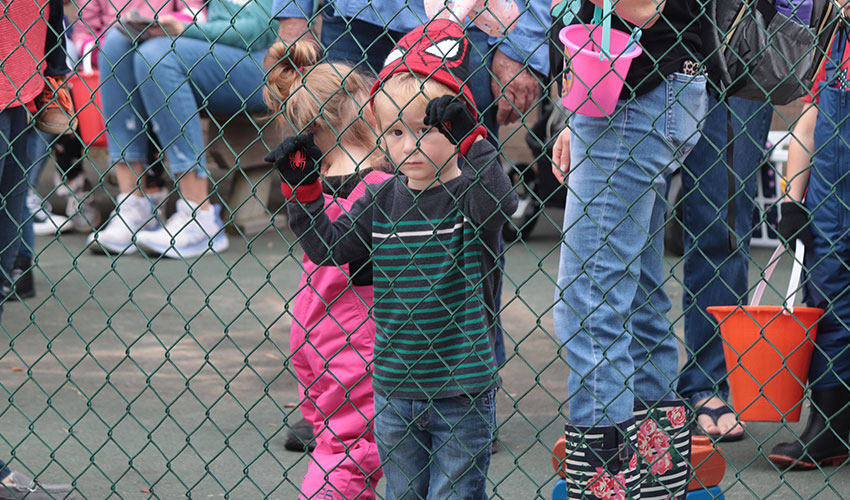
x=165, y=336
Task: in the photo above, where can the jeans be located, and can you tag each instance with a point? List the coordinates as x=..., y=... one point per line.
x=610, y=304
x=366, y=46
x=170, y=87
x=435, y=449
x=714, y=275
x=37, y=144
x=13, y=187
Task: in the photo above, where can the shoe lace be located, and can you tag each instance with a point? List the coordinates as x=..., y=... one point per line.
x=53, y=88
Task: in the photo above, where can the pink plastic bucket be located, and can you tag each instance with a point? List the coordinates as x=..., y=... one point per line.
x=592, y=81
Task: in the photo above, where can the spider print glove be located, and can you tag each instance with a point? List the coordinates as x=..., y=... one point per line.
x=455, y=120
x=297, y=160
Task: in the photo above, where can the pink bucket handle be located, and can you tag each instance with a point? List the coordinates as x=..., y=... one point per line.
x=793, y=283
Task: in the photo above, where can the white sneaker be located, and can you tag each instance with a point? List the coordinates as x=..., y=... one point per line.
x=127, y=220
x=157, y=199
x=185, y=235
x=43, y=221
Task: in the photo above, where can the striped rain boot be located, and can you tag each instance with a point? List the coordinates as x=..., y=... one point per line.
x=664, y=449
x=601, y=463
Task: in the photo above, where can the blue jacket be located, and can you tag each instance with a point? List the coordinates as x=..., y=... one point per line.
x=527, y=42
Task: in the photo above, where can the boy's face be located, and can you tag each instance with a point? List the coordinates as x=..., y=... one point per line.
x=418, y=151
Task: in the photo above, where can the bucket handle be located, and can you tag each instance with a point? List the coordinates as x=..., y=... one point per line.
x=793, y=283
x=88, y=50
x=604, y=15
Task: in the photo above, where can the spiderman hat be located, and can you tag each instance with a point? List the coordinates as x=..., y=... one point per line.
x=438, y=51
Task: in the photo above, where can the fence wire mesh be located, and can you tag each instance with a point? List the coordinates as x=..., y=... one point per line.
x=165, y=335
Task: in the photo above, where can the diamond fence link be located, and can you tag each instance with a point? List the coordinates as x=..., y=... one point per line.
x=166, y=336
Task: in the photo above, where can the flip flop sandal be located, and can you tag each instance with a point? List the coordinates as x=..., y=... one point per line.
x=715, y=414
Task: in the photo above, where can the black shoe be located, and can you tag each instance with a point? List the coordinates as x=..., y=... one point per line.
x=824, y=441
x=300, y=437
x=23, y=284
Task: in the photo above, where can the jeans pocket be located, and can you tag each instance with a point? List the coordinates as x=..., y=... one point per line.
x=687, y=104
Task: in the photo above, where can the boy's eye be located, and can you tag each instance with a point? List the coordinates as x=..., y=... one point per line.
x=396, y=133
x=424, y=130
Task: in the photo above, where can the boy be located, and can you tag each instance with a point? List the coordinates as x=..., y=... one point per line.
x=432, y=237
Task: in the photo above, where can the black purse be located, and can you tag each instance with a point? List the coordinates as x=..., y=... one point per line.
x=755, y=52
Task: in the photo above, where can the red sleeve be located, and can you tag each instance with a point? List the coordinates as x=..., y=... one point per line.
x=845, y=64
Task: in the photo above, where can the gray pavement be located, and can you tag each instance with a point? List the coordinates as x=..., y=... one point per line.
x=144, y=378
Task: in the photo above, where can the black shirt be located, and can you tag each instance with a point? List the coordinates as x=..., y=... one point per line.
x=672, y=40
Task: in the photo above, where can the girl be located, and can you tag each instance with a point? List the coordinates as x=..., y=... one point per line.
x=815, y=210
x=332, y=334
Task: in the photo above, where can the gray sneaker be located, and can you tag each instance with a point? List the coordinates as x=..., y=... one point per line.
x=26, y=489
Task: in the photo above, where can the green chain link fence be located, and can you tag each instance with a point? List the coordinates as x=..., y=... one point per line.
x=135, y=375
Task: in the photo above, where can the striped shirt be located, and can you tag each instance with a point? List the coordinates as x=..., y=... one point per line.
x=434, y=265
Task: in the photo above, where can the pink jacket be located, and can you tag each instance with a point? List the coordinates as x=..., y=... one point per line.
x=96, y=16
x=332, y=342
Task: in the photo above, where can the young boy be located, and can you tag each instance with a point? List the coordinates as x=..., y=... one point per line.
x=432, y=237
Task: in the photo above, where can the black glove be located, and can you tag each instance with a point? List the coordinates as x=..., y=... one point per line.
x=297, y=160
x=455, y=120
x=794, y=223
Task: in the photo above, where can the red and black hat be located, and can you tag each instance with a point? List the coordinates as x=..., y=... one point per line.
x=438, y=50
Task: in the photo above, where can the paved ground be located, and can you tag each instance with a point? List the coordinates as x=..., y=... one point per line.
x=144, y=378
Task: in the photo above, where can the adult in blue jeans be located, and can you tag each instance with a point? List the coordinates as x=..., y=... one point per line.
x=168, y=80
x=715, y=271
x=627, y=434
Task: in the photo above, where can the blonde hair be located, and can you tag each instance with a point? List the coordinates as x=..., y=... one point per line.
x=408, y=89
x=327, y=97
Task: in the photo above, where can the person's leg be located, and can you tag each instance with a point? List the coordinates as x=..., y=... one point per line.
x=714, y=274
x=227, y=80
x=404, y=444
x=480, y=56
x=13, y=188
x=462, y=435
x=54, y=45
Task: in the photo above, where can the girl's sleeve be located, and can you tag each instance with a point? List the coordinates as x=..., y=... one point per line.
x=249, y=26
x=490, y=200
x=333, y=243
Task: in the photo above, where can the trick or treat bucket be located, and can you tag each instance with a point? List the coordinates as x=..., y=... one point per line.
x=768, y=350
x=593, y=73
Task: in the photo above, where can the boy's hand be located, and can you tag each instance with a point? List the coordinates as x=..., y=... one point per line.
x=794, y=223
x=297, y=160
x=454, y=120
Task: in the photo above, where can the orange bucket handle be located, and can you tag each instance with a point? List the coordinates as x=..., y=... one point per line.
x=793, y=283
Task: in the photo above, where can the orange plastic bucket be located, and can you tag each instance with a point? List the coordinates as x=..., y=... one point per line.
x=768, y=352
x=86, y=97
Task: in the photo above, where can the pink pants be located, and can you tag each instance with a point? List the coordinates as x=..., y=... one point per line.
x=330, y=361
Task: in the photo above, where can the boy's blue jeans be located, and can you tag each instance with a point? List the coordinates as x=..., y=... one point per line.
x=714, y=275
x=610, y=304
x=164, y=84
x=436, y=448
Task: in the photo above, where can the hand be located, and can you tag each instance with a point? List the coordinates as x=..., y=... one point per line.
x=561, y=156
x=794, y=223
x=452, y=117
x=514, y=87
x=297, y=159
x=293, y=29
x=166, y=24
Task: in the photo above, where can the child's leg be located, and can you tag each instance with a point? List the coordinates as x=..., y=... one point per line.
x=462, y=435
x=404, y=443
x=345, y=463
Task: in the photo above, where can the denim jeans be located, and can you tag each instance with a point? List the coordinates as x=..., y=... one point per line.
x=714, y=275
x=366, y=46
x=169, y=87
x=13, y=187
x=37, y=144
x=610, y=303
x=435, y=449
